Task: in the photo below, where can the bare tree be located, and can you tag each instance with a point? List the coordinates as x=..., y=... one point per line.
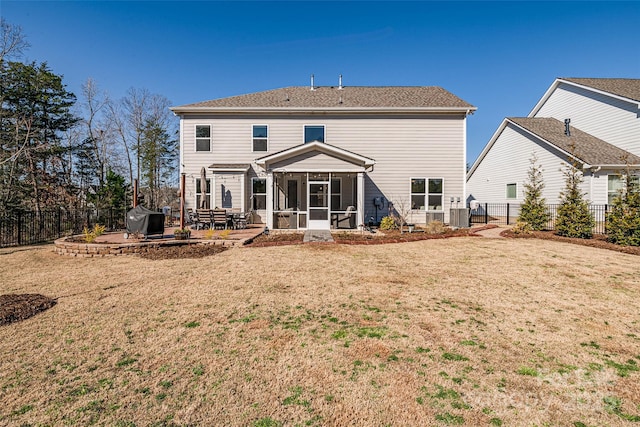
x=13, y=42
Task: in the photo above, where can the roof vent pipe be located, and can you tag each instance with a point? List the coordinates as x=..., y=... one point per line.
x=567, y=131
x=340, y=82
x=312, y=82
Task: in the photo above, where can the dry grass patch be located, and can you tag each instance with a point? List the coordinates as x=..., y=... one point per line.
x=438, y=332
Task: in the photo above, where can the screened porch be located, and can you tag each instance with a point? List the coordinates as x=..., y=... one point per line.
x=315, y=200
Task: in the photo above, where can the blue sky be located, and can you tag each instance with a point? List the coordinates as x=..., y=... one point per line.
x=499, y=56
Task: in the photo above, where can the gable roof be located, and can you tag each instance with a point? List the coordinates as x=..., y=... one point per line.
x=590, y=151
x=624, y=89
x=347, y=98
x=317, y=146
x=580, y=145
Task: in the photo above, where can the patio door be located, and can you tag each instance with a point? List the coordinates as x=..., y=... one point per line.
x=318, y=205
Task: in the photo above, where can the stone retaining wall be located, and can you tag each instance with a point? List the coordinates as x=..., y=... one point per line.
x=89, y=250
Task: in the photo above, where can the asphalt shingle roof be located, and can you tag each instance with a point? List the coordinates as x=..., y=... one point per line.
x=347, y=97
x=584, y=146
x=627, y=88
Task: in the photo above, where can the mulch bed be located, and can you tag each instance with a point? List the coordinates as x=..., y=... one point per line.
x=17, y=307
x=182, y=251
x=598, y=241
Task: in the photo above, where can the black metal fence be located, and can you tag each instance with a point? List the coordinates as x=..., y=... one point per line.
x=507, y=214
x=31, y=227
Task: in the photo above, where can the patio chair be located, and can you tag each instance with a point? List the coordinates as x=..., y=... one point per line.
x=349, y=217
x=219, y=218
x=203, y=219
x=240, y=220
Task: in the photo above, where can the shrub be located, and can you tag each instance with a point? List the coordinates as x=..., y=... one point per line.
x=534, y=210
x=522, y=227
x=574, y=218
x=623, y=221
x=388, y=223
x=434, y=227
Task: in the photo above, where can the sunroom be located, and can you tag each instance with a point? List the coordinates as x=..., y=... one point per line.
x=312, y=186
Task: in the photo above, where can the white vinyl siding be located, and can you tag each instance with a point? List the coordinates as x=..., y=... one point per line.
x=610, y=119
x=403, y=147
x=508, y=162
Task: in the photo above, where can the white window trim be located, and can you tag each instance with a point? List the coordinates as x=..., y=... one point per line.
x=195, y=138
x=316, y=125
x=426, y=189
x=619, y=176
x=411, y=193
x=259, y=194
x=506, y=191
x=252, y=139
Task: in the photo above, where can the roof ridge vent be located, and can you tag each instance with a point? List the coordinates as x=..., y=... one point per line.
x=567, y=131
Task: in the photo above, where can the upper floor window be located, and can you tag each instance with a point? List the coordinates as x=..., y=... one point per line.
x=313, y=133
x=512, y=191
x=260, y=137
x=203, y=137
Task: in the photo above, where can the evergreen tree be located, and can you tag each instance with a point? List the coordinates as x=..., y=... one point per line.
x=574, y=218
x=35, y=113
x=623, y=220
x=534, y=210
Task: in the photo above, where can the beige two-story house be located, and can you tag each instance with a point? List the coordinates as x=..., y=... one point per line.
x=327, y=157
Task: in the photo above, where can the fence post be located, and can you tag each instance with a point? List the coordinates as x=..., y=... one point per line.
x=19, y=228
x=486, y=213
x=507, y=213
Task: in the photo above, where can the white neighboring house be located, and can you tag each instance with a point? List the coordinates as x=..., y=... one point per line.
x=593, y=122
x=327, y=157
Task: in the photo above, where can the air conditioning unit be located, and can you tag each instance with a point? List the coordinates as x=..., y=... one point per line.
x=435, y=216
x=459, y=218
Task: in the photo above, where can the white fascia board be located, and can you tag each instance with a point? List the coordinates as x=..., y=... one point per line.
x=544, y=98
x=486, y=148
x=348, y=110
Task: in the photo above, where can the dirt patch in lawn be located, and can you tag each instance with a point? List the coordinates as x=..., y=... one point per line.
x=17, y=307
x=597, y=241
x=182, y=251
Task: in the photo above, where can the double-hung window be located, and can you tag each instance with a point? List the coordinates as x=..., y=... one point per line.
x=436, y=194
x=203, y=137
x=260, y=137
x=427, y=192
x=259, y=193
x=418, y=193
x=512, y=191
x=313, y=133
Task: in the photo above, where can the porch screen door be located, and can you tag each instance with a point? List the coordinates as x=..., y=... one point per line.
x=319, y=206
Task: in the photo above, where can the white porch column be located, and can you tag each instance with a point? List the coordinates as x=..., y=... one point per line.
x=360, y=201
x=212, y=201
x=243, y=191
x=270, y=200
